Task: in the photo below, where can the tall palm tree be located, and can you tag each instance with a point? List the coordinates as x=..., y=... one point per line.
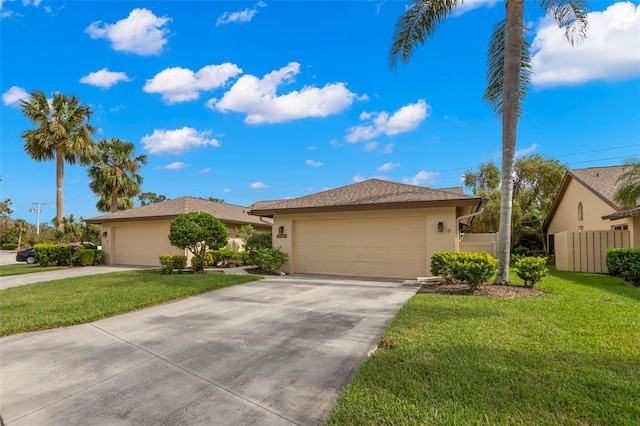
x=114, y=174
x=63, y=133
x=508, y=76
x=628, y=194
x=22, y=226
x=104, y=203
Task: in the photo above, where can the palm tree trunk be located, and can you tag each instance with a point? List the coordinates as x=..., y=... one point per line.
x=114, y=200
x=511, y=106
x=59, y=185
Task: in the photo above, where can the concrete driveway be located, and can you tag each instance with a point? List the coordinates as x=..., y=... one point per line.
x=273, y=352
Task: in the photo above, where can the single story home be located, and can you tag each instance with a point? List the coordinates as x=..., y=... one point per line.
x=373, y=228
x=585, y=203
x=140, y=235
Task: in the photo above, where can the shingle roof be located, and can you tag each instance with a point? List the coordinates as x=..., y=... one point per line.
x=227, y=213
x=602, y=181
x=372, y=192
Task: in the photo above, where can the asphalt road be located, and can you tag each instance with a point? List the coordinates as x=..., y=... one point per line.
x=273, y=352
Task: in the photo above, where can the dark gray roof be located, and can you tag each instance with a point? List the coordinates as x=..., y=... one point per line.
x=369, y=193
x=227, y=213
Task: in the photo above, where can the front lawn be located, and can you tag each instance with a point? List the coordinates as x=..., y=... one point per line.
x=7, y=270
x=84, y=299
x=569, y=357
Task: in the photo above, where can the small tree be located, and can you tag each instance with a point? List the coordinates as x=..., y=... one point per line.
x=198, y=232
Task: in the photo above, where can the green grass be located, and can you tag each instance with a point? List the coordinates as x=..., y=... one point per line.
x=84, y=299
x=569, y=357
x=8, y=270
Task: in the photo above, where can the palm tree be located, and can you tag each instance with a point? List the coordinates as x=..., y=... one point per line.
x=114, y=174
x=63, y=133
x=628, y=194
x=104, y=203
x=21, y=226
x=508, y=76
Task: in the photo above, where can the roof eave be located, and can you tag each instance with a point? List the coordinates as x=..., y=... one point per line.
x=474, y=201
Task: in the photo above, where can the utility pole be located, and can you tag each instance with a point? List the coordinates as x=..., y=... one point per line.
x=37, y=210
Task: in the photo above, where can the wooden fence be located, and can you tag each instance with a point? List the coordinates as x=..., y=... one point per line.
x=586, y=251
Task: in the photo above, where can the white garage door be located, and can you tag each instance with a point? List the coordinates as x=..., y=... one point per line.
x=378, y=247
x=141, y=244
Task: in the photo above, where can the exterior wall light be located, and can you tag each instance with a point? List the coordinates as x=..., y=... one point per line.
x=440, y=227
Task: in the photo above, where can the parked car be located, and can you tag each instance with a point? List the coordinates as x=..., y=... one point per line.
x=26, y=255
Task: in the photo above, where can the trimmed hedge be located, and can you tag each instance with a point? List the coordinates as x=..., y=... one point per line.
x=470, y=268
x=170, y=261
x=270, y=259
x=9, y=246
x=66, y=254
x=625, y=263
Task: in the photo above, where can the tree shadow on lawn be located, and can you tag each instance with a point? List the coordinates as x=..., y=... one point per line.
x=602, y=282
x=478, y=383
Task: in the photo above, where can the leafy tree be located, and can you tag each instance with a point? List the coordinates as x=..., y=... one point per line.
x=217, y=200
x=63, y=133
x=535, y=185
x=509, y=63
x=114, y=173
x=150, y=198
x=628, y=194
x=244, y=232
x=198, y=232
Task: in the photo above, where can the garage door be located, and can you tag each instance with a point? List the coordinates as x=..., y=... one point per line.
x=141, y=244
x=380, y=247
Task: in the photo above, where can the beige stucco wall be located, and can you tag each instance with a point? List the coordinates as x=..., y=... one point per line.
x=566, y=215
x=141, y=242
x=433, y=240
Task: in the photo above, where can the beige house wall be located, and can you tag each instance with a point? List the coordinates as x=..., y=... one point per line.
x=565, y=217
x=365, y=240
x=141, y=242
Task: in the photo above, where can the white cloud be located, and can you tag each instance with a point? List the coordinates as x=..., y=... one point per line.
x=370, y=146
x=257, y=98
x=313, y=163
x=14, y=95
x=176, y=165
x=422, y=177
x=473, y=4
x=312, y=148
x=386, y=167
x=182, y=85
x=526, y=151
x=258, y=185
x=176, y=141
x=359, y=178
x=117, y=108
x=226, y=191
x=142, y=33
x=336, y=143
x=104, y=78
x=611, y=50
x=204, y=171
x=388, y=149
x=403, y=120
x=239, y=17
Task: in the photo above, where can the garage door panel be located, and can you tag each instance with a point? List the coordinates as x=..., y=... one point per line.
x=382, y=247
x=142, y=244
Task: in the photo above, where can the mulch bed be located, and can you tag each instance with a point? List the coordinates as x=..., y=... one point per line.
x=511, y=292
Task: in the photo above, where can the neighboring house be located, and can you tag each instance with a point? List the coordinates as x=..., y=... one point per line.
x=373, y=228
x=139, y=236
x=585, y=203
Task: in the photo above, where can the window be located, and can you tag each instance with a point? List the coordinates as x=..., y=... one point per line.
x=620, y=227
x=580, y=212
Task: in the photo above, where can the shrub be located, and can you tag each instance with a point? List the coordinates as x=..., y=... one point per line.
x=471, y=268
x=67, y=255
x=166, y=260
x=625, y=263
x=45, y=253
x=9, y=246
x=87, y=257
x=258, y=241
x=531, y=270
x=179, y=261
x=270, y=259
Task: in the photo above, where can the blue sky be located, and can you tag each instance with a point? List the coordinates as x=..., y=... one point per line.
x=252, y=101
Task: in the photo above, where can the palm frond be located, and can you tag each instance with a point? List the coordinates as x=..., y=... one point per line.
x=628, y=194
x=418, y=22
x=495, y=72
x=570, y=15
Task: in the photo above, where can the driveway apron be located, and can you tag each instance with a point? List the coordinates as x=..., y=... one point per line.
x=273, y=352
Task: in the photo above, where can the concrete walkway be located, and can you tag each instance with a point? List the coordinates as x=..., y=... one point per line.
x=36, y=277
x=273, y=352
